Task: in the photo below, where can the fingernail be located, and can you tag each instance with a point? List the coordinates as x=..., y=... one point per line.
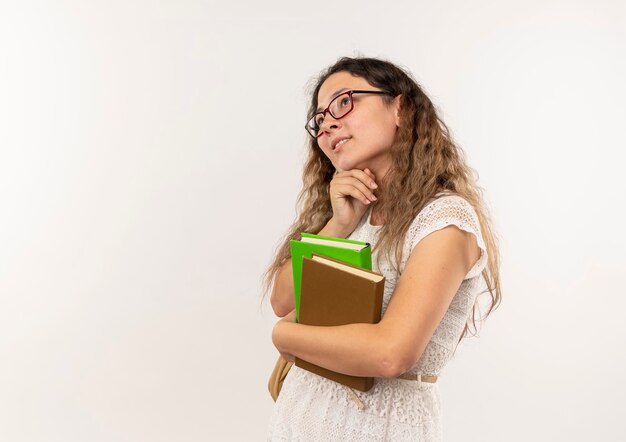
x=373, y=185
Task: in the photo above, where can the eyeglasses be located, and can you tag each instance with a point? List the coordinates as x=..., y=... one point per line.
x=341, y=106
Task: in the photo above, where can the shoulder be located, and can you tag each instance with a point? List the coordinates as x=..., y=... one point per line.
x=447, y=208
x=439, y=214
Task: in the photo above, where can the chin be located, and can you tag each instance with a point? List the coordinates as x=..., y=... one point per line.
x=347, y=164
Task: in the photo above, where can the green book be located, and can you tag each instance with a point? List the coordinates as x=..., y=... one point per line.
x=350, y=251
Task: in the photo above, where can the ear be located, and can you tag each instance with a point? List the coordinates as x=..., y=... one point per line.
x=396, y=107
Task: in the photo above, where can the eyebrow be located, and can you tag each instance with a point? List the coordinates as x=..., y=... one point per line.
x=333, y=96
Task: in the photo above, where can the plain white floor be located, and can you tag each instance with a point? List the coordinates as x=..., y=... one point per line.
x=150, y=157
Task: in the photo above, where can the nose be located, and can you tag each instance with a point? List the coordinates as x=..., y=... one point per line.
x=329, y=123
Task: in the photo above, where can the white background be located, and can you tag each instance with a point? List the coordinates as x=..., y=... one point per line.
x=150, y=157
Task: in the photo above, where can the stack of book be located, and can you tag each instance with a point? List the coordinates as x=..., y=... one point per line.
x=334, y=285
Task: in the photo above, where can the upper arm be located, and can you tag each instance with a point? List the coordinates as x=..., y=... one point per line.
x=433, y=274
x=281, y=298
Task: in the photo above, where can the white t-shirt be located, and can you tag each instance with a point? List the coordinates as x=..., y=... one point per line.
x=313, y=408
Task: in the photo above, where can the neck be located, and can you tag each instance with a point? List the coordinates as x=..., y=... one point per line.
x=379, y=167
x=374, y=215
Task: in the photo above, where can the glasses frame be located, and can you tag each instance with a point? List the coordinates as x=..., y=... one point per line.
x=327, y=110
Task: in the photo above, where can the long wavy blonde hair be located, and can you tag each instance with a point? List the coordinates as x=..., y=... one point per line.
x=425, y=161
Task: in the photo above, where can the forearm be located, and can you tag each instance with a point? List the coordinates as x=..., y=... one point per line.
x=282, y=298
x=354, y=349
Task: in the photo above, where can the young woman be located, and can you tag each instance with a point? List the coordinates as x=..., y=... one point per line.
x=382, y=168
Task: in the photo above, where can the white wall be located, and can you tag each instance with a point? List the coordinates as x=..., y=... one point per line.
x=150, y=157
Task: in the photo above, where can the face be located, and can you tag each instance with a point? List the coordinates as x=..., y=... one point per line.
x=369, y=129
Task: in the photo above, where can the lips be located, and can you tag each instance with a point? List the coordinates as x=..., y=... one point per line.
x=339, y=142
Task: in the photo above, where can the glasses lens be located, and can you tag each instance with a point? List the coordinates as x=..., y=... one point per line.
x=341, y=105
x=312, y=125
x=338, y=108
x=318, y=120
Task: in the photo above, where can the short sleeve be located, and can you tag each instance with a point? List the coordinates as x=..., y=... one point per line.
x=445, y=211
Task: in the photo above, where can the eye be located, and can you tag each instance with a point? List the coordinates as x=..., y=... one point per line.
x=345, y=101
x=319, y=120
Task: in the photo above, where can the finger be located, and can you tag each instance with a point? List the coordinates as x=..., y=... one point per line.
x=365, y=184
x=364, y=177
x=349, y=181
x=345, y=188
